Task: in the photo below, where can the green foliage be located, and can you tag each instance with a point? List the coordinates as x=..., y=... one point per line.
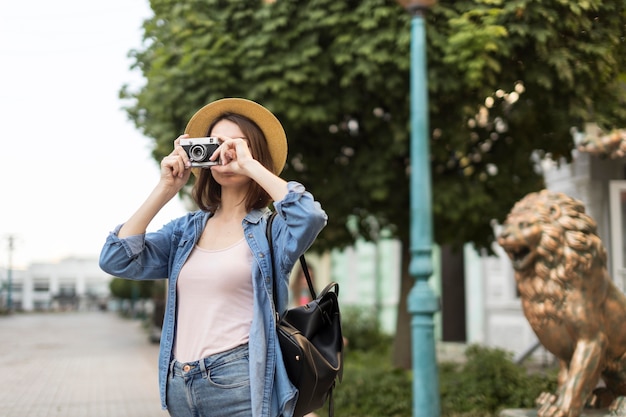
x=372, y=388
x=506, y=79
x=362, y=331
x=370, y=384
x=487, y=383
x=131, y=290
x=509, y=79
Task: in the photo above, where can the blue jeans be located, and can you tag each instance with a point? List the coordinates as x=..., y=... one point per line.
x=216, y=386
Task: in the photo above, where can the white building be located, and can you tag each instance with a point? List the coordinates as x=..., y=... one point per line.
x=72, y=283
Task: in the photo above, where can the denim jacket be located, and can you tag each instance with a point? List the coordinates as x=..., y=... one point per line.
x=161, y=255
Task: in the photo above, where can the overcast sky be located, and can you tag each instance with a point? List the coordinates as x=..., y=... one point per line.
x=72, y=165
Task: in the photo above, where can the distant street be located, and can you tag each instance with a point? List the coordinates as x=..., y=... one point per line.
x=77, y=365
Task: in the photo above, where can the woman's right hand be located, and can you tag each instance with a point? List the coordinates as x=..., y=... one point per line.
x=175, y=168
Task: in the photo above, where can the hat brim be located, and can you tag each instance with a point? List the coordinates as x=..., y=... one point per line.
x=271, y=127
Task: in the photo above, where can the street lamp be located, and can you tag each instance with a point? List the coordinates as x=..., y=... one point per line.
x=422, y=302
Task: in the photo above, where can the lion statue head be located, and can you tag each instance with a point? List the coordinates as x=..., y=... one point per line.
x=548, y=234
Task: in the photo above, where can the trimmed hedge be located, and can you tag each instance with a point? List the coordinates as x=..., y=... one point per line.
x=487, y=382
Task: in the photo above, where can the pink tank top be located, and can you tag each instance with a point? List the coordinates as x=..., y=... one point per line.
x=215, y=297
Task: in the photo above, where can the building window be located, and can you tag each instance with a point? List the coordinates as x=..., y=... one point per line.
x=67, y=290
x=41, y=285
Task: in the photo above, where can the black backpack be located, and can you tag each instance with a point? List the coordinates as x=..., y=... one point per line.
x=311, y=342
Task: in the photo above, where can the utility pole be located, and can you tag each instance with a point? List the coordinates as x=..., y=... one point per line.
x=11, y=240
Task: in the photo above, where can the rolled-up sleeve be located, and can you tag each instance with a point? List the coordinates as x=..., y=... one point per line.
x=303, y=218
x=143, y=256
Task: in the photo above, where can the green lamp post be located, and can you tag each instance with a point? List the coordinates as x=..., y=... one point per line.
x=422, y=301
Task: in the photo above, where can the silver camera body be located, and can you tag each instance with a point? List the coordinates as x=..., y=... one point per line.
x=199, y=150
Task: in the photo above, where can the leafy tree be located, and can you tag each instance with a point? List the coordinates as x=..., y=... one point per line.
x=508, y=81
x=131, y=290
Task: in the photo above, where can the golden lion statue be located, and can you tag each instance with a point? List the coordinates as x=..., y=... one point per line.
x=570, y=301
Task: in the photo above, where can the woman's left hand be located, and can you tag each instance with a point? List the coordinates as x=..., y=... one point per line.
x=233, y=154
x=236, y=158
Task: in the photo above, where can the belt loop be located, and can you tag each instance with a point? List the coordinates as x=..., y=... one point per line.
x=172, y=363
x=205, y=371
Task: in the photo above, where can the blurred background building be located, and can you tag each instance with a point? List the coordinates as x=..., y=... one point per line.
x=70, y=284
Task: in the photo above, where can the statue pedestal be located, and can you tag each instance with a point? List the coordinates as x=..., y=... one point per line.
x=518, y=412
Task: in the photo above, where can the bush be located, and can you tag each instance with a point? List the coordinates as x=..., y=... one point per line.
x=362, y=331
x=488, y=382
x=485, y=384
x=372, y=388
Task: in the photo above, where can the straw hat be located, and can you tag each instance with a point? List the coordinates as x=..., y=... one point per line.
x=199, y=123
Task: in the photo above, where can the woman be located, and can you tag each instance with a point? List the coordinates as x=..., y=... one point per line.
x=219, y=355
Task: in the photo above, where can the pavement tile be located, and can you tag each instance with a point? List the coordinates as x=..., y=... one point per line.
x=90, y=364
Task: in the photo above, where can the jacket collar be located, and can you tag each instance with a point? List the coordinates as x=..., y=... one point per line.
x=253, y=217
x=257, y=214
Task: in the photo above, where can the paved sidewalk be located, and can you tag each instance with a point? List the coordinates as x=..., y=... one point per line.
x=77, y=365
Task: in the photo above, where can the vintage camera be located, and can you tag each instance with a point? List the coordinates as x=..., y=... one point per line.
x=199, y=150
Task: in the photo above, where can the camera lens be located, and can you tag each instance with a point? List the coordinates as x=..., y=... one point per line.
x=197, y=153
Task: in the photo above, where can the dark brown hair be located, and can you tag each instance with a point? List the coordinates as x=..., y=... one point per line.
x=207, y=193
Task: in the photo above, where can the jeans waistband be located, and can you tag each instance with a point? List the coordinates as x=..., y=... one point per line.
x=205, y=364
